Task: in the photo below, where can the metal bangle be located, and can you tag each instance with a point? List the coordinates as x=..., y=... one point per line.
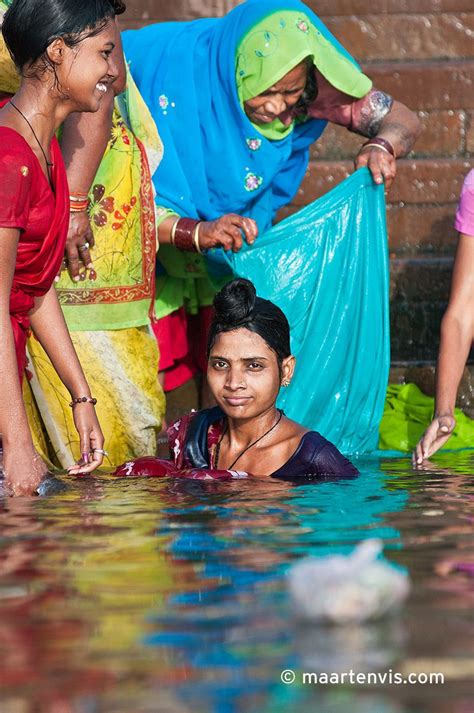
x=196, y=239
x=173, y=231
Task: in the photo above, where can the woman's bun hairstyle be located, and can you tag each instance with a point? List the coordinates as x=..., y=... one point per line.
x=235, y=303
x=237, y=306
x=29, y=26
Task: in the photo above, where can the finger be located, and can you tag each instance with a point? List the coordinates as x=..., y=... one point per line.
x=225, y=241
x=236, y=238
x=246, y=225
x=73, y=263
x=83, y=250
x=376, y=170
x=89, y=236
x=250, y=230
x=419, y=454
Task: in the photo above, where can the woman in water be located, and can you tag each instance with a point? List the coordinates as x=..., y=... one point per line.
x=62, y=50
x=249, y=360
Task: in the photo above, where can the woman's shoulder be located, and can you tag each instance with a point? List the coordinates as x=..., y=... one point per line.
x=16, y=155
x=314, y=456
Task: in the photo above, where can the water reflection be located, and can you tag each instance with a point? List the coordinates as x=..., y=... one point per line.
x=148, y=596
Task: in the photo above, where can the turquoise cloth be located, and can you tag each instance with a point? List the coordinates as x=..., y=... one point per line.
x=327, y=268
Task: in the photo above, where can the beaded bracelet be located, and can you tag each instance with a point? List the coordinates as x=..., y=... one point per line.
x=82, y=400
x=380, y=143
x=184, y=234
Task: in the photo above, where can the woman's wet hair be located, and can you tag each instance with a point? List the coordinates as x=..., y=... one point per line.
x=237, y=306
x=29, y=27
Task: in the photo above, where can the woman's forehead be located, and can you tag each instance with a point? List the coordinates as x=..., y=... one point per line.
x=240, y=344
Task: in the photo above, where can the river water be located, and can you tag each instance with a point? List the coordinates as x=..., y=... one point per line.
x=146, y=595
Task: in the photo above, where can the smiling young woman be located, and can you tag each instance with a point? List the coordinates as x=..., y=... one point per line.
x=62, y=50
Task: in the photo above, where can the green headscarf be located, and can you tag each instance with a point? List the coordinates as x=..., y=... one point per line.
x=275, y=46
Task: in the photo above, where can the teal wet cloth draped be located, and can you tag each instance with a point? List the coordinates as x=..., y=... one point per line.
x=327, y=268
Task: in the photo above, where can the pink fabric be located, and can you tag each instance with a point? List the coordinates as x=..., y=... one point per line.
x=464, y=222
x=158, y=468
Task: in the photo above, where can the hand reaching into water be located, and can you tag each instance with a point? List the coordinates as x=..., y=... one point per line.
x=435, y=436
x=24, y=470
x=226, y=232
x=91, y=439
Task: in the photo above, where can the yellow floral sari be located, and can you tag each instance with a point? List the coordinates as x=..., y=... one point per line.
x=109, y=318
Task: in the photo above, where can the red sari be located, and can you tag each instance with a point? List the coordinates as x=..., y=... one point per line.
x=41, y=213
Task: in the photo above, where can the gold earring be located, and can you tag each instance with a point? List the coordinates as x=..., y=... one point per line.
x=286, y=382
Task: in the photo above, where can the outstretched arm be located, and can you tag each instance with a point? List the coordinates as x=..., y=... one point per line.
x=49, y=326
x=457, y=336
x=23, y=467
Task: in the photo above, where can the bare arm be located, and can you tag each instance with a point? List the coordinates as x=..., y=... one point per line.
x=401, y=127
x=457, y=336
x=23, y=468
x=457, y=328
x=49, y=326
x=84, y=140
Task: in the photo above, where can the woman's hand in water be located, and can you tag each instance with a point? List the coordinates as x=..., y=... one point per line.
x=24, y=470
x=79, y=241
x=435, y=436
x=381, y=164
x=226, y=232
x=91, y=439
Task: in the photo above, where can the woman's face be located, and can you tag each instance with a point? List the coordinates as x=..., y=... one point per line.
x=86, y=70
x=279, y=98
x=243, y=373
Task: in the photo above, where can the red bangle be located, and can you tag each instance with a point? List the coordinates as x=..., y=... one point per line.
x=184, y=234
x=383, y=143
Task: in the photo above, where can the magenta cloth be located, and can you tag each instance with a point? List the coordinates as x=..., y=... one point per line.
x=464, y=222
x=159, y=468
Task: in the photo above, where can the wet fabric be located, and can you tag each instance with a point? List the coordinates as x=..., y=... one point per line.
x=194, y=438
x=326, y=267
x=408, y=413
x=150, y=467
x=41, y=213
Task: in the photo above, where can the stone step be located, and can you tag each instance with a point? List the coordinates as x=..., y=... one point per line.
x=423, y=376
x=419, y=291
x=428, y=85
x=418, y=181
x=404, y=36
x=162, y=10
x=445, y=134
x=383, y=7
